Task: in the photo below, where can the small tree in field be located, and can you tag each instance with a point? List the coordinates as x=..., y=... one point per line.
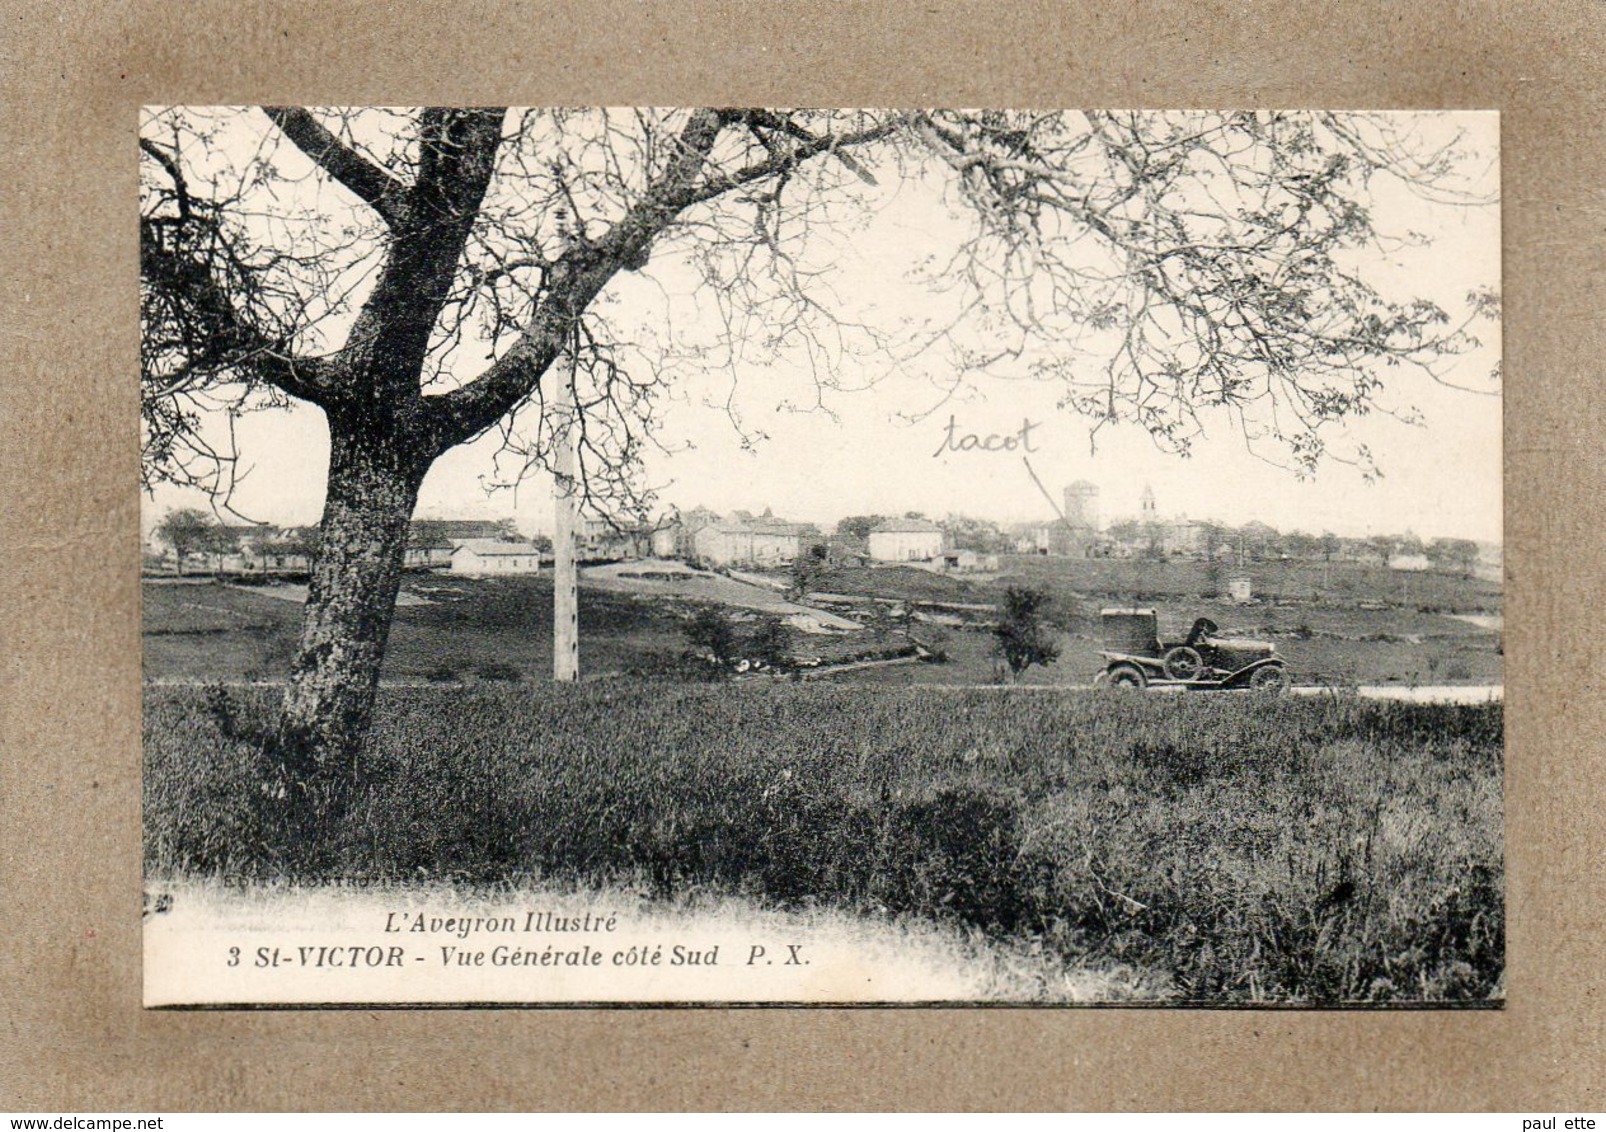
x=807, y=570
x=1024, y=637
x=218, y=541
x=771, y=644
x=186, y=531
x=1454, y=554
x=712, y=637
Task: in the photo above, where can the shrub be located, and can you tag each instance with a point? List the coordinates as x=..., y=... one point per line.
x=1023, y=637
x=771, y=644
x=712, y=636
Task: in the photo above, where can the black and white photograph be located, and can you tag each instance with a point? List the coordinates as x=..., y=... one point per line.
x=774, y=556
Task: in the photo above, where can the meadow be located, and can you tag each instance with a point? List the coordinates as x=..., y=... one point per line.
x=1229, y=849
x=1343, y=625
x=455, y=630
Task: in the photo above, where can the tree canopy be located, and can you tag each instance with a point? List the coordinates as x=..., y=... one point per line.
x=1156, y=266
x=185, y=530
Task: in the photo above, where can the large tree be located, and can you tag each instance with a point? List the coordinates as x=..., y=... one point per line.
x=419, y=275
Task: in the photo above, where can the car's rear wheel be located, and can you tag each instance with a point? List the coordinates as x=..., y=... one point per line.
x=1271, y=679
x=1128, y=676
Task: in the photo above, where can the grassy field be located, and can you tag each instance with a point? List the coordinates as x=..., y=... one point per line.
x=1230, y=849
x=1337, y=584
x=455, y=629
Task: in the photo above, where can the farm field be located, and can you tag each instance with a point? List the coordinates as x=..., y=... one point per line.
x=459, y=630
x=1318, y=850
x=452, y=629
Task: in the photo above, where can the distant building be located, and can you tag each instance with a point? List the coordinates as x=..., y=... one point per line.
x=1411, y=562
x=1082, y=506
x=744, y=540
x=430, y=541
x=1259, y=540
x=250, y=548
x=1033, y=538
x=905, y=540
x=968, y=561
x=1240, y=588
x=604, y=538
x=664, y=541
x=1151, y=535
x=777, y=543
x=1185, y=536
x=288, y=551
x=480, y=557
x=686, y=529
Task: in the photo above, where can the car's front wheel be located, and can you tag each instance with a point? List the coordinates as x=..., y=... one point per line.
x=1183, y=663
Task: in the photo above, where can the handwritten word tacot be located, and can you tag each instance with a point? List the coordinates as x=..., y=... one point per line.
x=953, y=440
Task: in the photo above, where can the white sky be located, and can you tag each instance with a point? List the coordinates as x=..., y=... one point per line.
x=874, y=450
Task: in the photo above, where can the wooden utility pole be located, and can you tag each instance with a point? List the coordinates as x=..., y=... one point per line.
x=565, y=490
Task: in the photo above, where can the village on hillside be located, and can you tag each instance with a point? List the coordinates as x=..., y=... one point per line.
x=902, y=597
x=191, y=541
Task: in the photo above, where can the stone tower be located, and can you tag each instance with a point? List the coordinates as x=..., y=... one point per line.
x=1149, y=513
x=1082, y=505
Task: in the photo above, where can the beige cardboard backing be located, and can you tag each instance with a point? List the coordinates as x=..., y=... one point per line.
x=72, y=1034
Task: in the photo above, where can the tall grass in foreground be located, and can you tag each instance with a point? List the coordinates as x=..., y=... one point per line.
x=1310, y=850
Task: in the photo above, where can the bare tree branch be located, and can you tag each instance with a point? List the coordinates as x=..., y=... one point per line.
x=573, y=282
x=379, y=189
x=178, y=257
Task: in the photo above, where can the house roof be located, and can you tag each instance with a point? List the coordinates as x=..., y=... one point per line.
x=761, y=527
x=493, y=548
x=698, y=518
x=436, y=533
x=776, y=527
x=905, y=526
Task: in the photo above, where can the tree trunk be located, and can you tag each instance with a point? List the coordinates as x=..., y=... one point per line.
x=373, y=485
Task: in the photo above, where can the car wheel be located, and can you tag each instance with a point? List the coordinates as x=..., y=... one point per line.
x=1272, y=680
x=1183, y=663
x=1128, y=676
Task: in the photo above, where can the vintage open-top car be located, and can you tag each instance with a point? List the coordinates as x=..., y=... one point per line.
x=1135, y=657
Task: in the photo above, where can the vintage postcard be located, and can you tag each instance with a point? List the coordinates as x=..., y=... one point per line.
x=828, y=556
